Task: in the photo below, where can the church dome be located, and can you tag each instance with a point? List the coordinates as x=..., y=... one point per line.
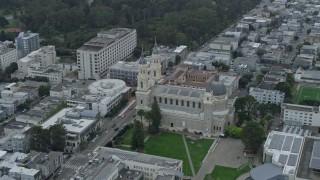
x=217, y=89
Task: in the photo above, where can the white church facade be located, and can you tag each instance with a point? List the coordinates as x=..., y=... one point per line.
x=183, y=109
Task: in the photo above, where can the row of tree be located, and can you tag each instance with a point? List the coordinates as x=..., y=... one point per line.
x=69, y=23
x=45, y=140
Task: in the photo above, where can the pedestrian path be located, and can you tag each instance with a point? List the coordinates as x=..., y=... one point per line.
x=188, y=154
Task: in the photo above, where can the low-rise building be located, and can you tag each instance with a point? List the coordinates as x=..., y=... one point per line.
x=126, y=71
x=267, y=96
x=300, y=115
x=8, y=55
x=18, y=172
x=307, y=76
x=102, y=95
x=79, y=123
x=62, y=90
x=244, y=64
x=54, y=73
x=46, y=163
x=122, y=165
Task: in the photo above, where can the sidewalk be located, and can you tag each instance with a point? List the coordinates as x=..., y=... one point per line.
x=188, y=154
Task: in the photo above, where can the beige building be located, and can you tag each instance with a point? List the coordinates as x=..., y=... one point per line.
x=183, y=108
x=98, y=54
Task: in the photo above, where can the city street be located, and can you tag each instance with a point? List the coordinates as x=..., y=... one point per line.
x=73, y=165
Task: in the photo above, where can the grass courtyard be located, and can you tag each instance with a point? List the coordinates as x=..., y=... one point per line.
x=126, y=138
x=226, y=173
x=307, y=93
x=171, y=145
x=198, y=150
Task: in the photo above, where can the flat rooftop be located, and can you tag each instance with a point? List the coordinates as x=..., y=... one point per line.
x=303, y=170
x=71, y=125
x=285, y=149
x=138, y=157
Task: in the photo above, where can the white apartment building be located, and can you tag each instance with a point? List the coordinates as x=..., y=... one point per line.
x=267, y=96
x=54, y=73
x=299, y=115
x=42, y=57
x=7, y=55
x=103, y=95
x=98, y=54
x=18, y=172
x=27, y=42
x=78, y=121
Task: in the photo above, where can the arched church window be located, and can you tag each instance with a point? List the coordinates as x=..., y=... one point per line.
x=141, y=84
x=154, y=73
x=160, y=100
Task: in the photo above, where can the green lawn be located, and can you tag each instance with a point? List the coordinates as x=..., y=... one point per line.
x=198, y=150
x=169, y=145
x=307, y=93
x=126, y=138
x=226, y=173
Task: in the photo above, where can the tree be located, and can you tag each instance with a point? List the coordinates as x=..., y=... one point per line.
x=83, y=145
x=3, y=21
x=39, y=139
x=170, y=64
x=251, y=28
x=246, y=108
x=234, y=131
x=308, y=31
x=137, y=141
x=155, y=118
x=264, y=70
x=308, y=20
x=290, y=48
x=248, y=76
x=44, y=90
x=58, y=137
x=296, y=38
x=284, y=87
x=252, y=136
x=261, y=52
x=243, y=82
x=177, y=59
x=140, y=113
x=11, y=68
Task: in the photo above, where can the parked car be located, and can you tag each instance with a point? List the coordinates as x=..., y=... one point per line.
x=223, y=135
x=116, y=129
x=114, y=125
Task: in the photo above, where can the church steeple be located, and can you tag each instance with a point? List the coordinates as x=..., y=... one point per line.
x=155, y=49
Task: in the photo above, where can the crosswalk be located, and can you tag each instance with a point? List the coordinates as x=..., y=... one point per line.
x=84, y=156
x=71, y=166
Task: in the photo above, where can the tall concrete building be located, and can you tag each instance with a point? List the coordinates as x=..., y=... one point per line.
x=27, y=42
x=98, y=54
x=8, y=55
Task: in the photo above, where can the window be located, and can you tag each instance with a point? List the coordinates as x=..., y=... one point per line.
x=199, y=105
x=170, y=101
x=141, y=102
x=160, y=100
x=155, y=98
x=187, y=103
x=154, y=73
x=193, y=104
x=177, y=103
x=165, y=100
x=182, y=103
x=141, y=84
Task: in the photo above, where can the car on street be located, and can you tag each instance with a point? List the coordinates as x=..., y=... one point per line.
x=114, y=125
x=223, y=135
x=116, y=129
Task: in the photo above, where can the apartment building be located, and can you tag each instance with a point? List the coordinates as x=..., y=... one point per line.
x=267, y=96
x=8, y=55
x=40, y=58
x=299, y=115
x=98, y=54
x=27, y=42
x=78, y=121
x=54, y=73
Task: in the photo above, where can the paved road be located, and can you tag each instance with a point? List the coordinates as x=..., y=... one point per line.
x=77, y=160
